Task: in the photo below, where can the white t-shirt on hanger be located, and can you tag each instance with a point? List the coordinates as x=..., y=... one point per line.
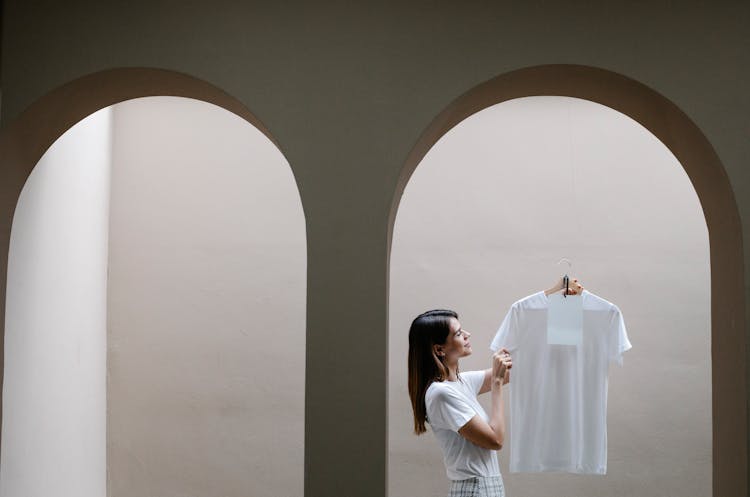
x=558, y=393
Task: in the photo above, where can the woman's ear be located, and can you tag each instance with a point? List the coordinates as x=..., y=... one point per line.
x=439, y=350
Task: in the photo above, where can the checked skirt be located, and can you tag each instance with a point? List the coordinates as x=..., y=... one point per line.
x=488, y=486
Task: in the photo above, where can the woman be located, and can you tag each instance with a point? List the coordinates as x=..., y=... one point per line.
x=448, y=401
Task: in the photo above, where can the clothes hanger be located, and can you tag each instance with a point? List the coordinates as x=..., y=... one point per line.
x=565, y=283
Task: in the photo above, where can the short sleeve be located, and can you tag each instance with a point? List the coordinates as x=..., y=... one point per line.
x=507, y=334
x=447, y=409
x=475, y=380
x=619, y=342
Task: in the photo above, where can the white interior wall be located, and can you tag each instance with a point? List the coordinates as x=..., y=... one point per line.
x=54, y=399
x=206, y=307
x=206, y=304
x=489, y=212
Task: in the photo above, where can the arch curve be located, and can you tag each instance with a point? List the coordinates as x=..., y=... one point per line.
x=693, y=150
x=27, y=138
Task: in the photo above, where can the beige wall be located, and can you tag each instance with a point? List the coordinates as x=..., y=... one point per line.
x=205, y=386
x=489, y=212
x=347, y=91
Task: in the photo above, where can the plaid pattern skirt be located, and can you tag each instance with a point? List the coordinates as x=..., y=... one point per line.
x=481, y=486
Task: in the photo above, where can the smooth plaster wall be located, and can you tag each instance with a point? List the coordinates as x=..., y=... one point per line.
x=206, y=307
x=486, y=217
x=54, y=426
x=346, y=89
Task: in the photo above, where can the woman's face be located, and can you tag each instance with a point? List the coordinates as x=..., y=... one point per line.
x=457, y=343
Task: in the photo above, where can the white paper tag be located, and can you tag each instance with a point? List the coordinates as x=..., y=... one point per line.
x=565, y=320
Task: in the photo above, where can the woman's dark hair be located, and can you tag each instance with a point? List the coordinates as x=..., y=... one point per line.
x=427, y=329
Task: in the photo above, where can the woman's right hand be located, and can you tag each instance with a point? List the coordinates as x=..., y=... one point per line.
x=501, y=364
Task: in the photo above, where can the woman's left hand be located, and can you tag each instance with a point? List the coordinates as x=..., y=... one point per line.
x=501, y=364
x=574, y=288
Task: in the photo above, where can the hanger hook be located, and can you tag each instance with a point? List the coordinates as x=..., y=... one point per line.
x=570, y=264
x=566, y=280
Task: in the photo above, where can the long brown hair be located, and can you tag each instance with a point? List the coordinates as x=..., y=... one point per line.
x=427, y=329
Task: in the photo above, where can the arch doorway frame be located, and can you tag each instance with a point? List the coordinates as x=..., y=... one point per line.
x=697, y=156
x=24, y=140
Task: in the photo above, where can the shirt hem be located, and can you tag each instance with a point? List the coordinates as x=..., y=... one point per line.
x=468, y=477
x=575, y=470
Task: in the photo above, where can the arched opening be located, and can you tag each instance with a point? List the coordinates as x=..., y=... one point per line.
x=694, y=153
x=206, y=284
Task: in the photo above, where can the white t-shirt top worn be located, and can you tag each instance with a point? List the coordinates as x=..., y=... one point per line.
x=450, y=405
x=558, y=393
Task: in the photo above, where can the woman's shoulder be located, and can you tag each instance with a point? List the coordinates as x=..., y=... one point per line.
x=441, y=390
x=435, y=388
x=473, y=376
x=468, y=385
